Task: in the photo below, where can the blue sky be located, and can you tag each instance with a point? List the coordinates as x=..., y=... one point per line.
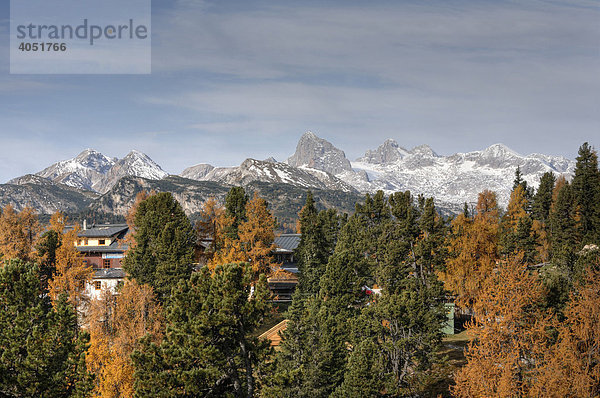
x=237, y=79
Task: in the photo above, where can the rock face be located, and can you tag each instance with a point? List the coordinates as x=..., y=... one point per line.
x=93, y=171
x=135, y=164
x=197, y=172
x=388, y=152
x=85, y=171
x=270, y=171
x=317, y=153
x=44, y=195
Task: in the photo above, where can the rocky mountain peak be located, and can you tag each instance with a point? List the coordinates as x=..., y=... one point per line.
x=499, y=151
x=424, y=150
x=320, y=154
x=388, y=152
x=197, y=172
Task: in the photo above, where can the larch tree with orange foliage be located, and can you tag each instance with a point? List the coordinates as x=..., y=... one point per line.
x=72, y=273
x=517, y=231
x=510, y=335
x=116, y=323
x=473, y=250
x=572, y=366
x=18, y=233
x=254, y=240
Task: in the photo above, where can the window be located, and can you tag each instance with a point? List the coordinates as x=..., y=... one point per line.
x=97, y=285
x=101, y=242
x=85, y=262
x=106, y=263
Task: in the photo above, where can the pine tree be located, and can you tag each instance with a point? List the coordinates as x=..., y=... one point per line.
x=319, y=235
x=42, y=351
x=46, y=248
x=163, y=248
x=208, y=349
x=542, y=201
x=564, y=235
x=586, y=188
x=235, y=209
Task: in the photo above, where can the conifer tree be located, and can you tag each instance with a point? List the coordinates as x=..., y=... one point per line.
x=18, y=233
x=510, y=335
x=72, y=273
x=208, y=348
x=163, y=248
x=319, y=235
x=235, y=209
x=473, y=250
x=586, y=189
x=542, y=201
x=571, y=367
x=42, y=351
x=564, y=235
x=116, y=323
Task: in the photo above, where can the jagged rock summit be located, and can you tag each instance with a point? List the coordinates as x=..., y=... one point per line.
x=269, y=171
x=317, y=153
x=91, y=170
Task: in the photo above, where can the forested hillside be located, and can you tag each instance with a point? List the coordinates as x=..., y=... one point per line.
x=367, y=317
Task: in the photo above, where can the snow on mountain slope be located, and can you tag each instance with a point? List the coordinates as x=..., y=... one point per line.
x=83, y=171
x=457, y=178
x=135, y=164
x=272, y=171
x=93, y=171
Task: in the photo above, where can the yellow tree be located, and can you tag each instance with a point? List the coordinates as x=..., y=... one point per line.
x=18, y=232
x=72, y=273
x=473, y=249
x=116, y=323
x=517, y=208
x=257, y=235
x=509, y=333
x=572, y=366
x=254, y=242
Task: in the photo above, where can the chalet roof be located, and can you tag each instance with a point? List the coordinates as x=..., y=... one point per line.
x=287, y=242
x=103, y=231
x=109, y=273
x=114, y=247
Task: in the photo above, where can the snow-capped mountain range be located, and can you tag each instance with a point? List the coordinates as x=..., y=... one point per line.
x=318, y=164
x=93, y=171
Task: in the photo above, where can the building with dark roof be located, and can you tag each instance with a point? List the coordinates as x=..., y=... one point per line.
x=103, y=247
x=283, y=283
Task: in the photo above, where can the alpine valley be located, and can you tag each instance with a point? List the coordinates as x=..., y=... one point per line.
x=92, y=182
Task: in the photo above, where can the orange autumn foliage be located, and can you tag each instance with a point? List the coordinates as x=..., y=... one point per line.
x=473, y=248
x=572, y=366
x=116, y=323
x=254, y=243
x=517, y=207
x=72, y=273
x=510, y=335
x=18, y=232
